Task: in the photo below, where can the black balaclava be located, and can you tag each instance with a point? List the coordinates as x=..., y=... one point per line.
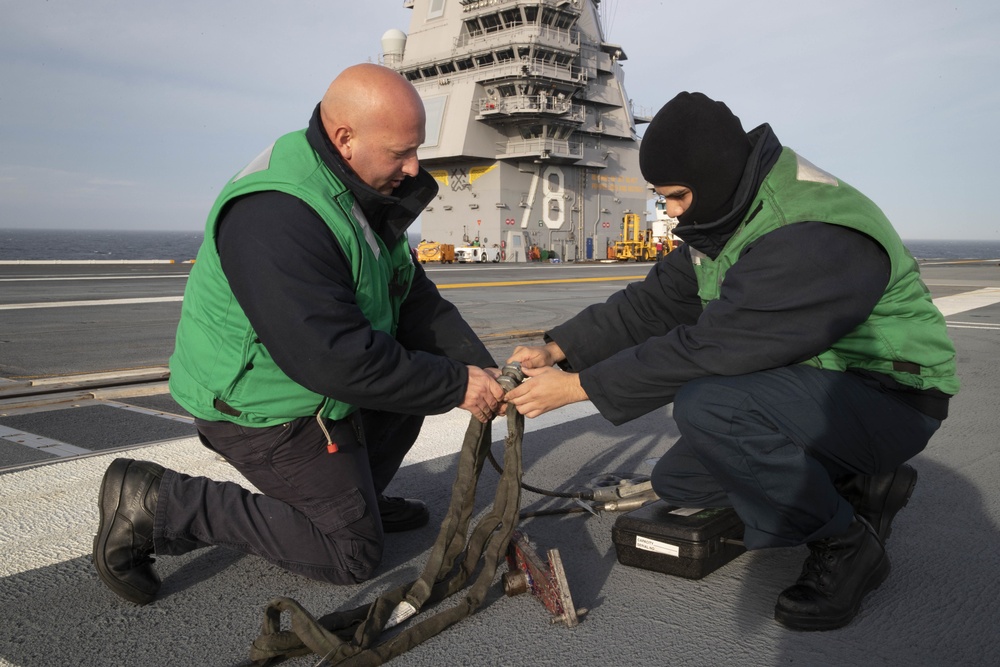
x=699, y=143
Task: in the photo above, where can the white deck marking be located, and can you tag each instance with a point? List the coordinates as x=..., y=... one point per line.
x=959, y=303
x=43, y=444
x=94, y=302
x=437, y=437
x=82, y=278
x=153, y=413
x=31, y=494
x=973, y=325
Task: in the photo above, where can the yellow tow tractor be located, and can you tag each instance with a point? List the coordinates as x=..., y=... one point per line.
x=430, y=251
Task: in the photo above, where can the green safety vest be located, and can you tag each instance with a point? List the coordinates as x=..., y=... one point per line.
x=905, y=336
x=219, y=369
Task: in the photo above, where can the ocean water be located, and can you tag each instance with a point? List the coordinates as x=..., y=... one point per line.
x=97, y=245
x=928, y=250
x=35, y=244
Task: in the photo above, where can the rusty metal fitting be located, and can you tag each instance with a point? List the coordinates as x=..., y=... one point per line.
x=515, y=582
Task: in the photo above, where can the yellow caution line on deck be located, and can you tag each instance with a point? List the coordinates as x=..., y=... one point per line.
x=509, y=283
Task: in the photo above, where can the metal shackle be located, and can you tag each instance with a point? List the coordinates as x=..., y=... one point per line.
x=511, y=375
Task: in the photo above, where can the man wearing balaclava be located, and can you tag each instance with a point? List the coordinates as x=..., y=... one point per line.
x=791, y=331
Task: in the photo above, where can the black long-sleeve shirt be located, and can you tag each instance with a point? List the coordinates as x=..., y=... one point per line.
x=293, y=281
x=793, y=293
x=296, y=289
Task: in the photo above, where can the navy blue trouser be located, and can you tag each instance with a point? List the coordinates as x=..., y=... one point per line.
x=316, y=513
x=771, y=445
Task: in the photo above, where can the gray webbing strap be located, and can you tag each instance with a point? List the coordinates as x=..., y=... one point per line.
x=351, y=637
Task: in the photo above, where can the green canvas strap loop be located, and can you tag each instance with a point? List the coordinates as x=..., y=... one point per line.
x=351, y=638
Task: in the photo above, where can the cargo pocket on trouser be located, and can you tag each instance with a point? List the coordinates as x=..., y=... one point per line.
x=354, y=541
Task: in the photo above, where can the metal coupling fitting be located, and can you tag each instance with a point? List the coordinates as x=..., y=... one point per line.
x=628, y=504
x=511, y=375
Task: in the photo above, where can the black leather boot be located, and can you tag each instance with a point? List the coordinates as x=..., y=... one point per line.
x=879, y=497
x=123, y=546
x=838, y=573
x=400, y=514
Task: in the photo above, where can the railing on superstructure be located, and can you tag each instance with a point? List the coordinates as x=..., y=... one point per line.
x=499, y=34
x=487, y=68
x=504, y=55
x=527, y=33
x=530, y=104
x=472, y=5
x=517, y=69
x=541, y=148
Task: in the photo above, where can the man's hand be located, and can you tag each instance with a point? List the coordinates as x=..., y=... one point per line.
x=545, y=389
x=483, y=394
x=537, y=356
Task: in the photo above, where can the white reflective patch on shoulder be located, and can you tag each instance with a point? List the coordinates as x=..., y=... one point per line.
x=807, y=171
x=259, y=163
x=369, y=234
x=696, y=256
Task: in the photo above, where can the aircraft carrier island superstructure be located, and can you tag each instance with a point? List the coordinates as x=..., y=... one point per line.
x=530, y=133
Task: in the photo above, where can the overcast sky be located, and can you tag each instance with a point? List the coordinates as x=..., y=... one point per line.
x=119, y=114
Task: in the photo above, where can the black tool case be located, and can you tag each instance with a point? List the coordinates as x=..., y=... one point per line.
x=683, y=542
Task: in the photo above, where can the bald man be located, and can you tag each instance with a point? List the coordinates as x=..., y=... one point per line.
x=309, y=348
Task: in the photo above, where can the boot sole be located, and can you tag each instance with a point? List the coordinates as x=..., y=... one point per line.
x=812, y=623
x=417, y=521
x=108, y=503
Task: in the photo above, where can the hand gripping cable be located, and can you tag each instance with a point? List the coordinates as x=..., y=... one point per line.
x=354, y=638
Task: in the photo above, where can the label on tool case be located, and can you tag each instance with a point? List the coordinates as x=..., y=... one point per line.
x=647, y=544
x=686, y=511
